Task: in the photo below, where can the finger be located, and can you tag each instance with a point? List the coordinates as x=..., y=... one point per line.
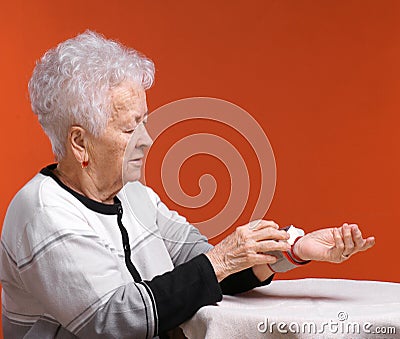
x=369, y=242
x=271, y=245
x=269, y=233
x=339, y=244
x=260, y=224
x=263, y=258
x=357, y=237
x=347, y=240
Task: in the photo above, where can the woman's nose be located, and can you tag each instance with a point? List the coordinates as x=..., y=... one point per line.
x=144, y=139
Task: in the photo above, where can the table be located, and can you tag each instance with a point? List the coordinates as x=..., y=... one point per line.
x=303, y=308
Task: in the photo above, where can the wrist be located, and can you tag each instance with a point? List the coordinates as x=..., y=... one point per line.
x=296, y=250
x=291, y=259
x=262, y=272
x=219, y=269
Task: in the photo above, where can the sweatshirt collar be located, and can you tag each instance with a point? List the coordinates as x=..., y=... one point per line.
x=94, y=205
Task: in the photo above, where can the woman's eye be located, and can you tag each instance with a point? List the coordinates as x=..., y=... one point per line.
x=130, y=131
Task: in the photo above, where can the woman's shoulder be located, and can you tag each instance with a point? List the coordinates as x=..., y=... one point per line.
x=28, y=197
x=23, y=209
x=36, y=193
x=39, y=194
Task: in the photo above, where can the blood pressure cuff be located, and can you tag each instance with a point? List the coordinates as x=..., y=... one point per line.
x=287, y=261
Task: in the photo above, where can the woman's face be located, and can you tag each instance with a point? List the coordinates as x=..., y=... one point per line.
x=116, y=155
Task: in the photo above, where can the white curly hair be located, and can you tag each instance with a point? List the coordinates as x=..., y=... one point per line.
x=71, y=84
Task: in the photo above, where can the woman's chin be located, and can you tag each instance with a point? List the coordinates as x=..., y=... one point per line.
x=131, y=174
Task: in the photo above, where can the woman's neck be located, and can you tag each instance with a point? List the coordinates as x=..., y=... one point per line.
x=84, y=181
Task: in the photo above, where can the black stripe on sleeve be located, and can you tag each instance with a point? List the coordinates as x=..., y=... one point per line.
x=242, y=281
x=153, y=304
x=180, y=293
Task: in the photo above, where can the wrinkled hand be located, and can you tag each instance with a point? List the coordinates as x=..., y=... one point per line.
x=245, y=248
x=332, y=244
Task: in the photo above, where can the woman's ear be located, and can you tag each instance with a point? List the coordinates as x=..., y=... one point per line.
x=77, y=139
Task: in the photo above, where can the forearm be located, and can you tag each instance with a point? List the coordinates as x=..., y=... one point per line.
x=262, y=272
x=243, y=281
x=180, y=293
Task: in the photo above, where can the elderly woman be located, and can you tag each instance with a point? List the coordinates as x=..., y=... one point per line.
x=87, y=251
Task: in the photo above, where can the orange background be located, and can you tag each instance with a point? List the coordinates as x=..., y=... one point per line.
x=321, y=77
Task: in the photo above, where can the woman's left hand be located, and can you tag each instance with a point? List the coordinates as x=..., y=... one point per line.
x=332, y=244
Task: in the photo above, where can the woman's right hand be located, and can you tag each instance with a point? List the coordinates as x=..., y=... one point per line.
x=246, y=247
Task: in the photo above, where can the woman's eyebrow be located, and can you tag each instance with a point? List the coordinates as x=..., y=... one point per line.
x=137, y=120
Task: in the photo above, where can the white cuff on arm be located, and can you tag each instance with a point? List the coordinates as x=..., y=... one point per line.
x=287, y=261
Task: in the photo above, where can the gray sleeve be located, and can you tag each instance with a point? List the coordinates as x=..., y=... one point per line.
x=79, y=283
x=118, y=318
x=183, y=240
x=125, y=315
x=178, y=294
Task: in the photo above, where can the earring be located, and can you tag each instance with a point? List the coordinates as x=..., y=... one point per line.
x=85, y=163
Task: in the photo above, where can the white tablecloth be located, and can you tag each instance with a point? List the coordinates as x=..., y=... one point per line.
x=305, y=308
